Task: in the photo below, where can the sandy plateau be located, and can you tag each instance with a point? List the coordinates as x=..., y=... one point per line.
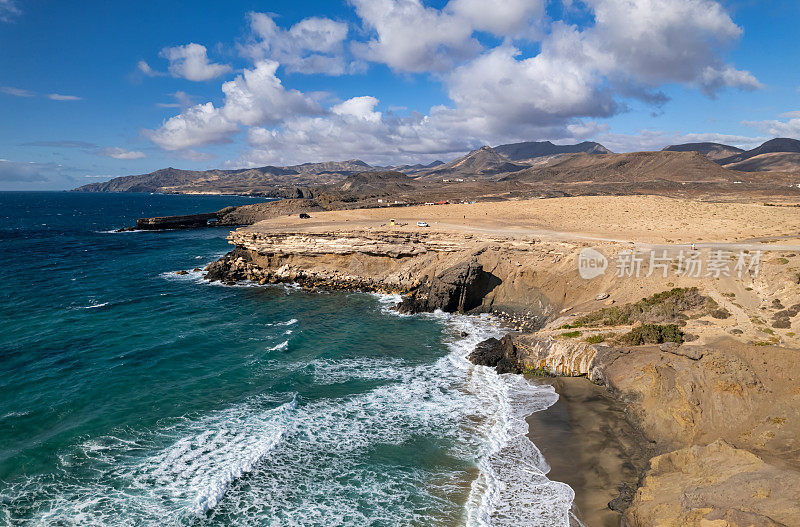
x=694, y=415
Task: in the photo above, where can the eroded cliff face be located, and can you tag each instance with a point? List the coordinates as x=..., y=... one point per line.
x=451, y=273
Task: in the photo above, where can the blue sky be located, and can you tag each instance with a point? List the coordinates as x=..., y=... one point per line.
x=97, y=90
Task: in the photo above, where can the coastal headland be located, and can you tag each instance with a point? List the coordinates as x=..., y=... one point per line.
x=685, y=409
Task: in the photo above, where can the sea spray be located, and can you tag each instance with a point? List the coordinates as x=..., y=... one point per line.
x=511, y=488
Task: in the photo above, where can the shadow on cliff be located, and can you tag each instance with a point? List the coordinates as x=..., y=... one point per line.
x=458, y=289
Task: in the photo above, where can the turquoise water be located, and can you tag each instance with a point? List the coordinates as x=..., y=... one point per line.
x=130, y=395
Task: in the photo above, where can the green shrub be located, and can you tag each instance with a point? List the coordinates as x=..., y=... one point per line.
x=782, y=260
x=595, y=339
x=720, y=313
x=537, y=372
x=661, y=308
x=652, y=334
x=570, y=335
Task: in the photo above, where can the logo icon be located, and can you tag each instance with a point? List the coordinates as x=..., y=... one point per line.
x=591, y=263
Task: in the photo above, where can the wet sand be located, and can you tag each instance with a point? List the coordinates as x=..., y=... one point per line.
x=591, y=447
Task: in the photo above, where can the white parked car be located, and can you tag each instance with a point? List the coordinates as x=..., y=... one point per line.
x=422, y=224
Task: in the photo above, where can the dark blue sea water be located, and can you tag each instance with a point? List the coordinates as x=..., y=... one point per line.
x=130, y=395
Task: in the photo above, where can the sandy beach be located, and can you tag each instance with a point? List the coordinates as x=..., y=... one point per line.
x=589, y=444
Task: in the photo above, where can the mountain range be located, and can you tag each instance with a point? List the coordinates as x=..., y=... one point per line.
x=526, y=162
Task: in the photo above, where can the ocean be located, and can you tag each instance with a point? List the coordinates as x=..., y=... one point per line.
x=130, y=395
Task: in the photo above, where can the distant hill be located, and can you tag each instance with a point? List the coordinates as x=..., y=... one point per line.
x=483, y=162
x=352, y=165
x=368, y=184
x=414, y=169
x=771, y=162
x=779, y=144
x=635, y=167
x=714, y=151
x=262, y=180
x=533, y=149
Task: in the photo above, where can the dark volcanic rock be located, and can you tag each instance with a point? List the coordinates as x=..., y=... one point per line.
x=626, y=494
x=460, y=288
x=499, y=354
x=230, y=268
x=189, y=221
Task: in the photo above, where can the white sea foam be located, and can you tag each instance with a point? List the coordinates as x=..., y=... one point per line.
x=388, y=303
x=290, y=322
x=94, y=305
x=283, y=346
x=115, y=231
x=10, y=415
x=189, y=276
x=180, y=471
x=318, y=462
x=512, y=487
x=327, y=371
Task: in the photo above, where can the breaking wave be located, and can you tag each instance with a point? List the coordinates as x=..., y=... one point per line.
x=287, y=460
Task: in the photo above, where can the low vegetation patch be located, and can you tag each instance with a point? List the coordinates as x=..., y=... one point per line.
x=769, y=342
x=720, y=313
x=537, y=372
x=674, y=306
x=652, y=334
x=595, y=339
x=570, y=335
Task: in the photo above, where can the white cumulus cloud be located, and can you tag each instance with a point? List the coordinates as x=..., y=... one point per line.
x=777, y=128
x=254, y=98
x=199, y=125
x=191, y=62
x=499, y=90
x=414, y=38
x=502, y=17
x=313, y=45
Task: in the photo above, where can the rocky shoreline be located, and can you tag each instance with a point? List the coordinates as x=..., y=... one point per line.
x=712, y=417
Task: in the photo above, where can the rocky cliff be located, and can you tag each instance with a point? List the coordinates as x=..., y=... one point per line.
x=433, y=271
